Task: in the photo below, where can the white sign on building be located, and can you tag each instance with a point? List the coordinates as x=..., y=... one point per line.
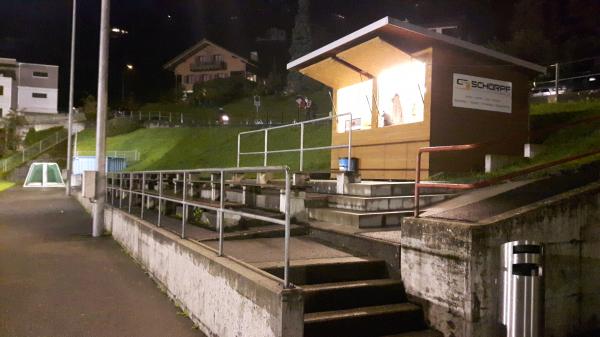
x=481, y=93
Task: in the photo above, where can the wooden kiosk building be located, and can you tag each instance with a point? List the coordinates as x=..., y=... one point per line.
x=407, y=87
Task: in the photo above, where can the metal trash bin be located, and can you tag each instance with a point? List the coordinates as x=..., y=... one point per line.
x=521, y=298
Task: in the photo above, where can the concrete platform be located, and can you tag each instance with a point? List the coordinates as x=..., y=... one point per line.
x=270, y=250
x=56, y=280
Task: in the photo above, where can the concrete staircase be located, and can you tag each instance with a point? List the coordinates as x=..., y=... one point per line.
x=355, y=297
x=368, y=204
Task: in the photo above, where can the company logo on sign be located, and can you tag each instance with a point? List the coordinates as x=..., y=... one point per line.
x=468, y=84
x=481, y=93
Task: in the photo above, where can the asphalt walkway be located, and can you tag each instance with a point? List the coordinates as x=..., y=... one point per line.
x=56, y=280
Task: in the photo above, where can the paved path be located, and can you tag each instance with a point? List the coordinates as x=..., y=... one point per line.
x=55, y=280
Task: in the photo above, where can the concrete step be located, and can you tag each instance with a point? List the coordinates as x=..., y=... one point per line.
x=420, y=333
x=346, y=295
x=374, y=204
x=374, y=188
x=365, y=321
x=359, y=219
x=334, y=271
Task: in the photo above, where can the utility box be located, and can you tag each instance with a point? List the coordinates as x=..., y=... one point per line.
x=521, y=300
x=88, y=187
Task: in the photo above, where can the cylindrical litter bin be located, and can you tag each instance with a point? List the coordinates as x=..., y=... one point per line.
x=521, y=289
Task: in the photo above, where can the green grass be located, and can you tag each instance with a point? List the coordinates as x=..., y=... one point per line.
x=560, y=143
x=4, y=185
x=278, y=108
x=179, y=148
x=205, y=147
x=33, y=136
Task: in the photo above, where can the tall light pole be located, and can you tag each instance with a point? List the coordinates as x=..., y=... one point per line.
x=128, y=67
x=71, y=88
x=98, y=223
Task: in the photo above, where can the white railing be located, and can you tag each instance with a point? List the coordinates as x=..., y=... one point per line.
x=265, y=153
x=129, y=155
x=128, y=185
x=32, y=151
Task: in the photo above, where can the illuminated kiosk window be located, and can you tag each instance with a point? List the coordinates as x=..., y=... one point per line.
x=355, y=99
x=44, y=175
x=401, y=94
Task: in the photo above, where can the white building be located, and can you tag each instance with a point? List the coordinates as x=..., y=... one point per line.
x=28, y=87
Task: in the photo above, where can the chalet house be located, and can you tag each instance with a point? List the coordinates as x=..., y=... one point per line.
x=206, y=61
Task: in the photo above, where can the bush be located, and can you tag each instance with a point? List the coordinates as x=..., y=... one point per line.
x=33, y=136
x=221, y=91
x=120, y=126
x=90, y=106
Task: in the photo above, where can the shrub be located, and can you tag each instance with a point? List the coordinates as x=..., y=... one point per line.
x=221, y=91
x=120, y=126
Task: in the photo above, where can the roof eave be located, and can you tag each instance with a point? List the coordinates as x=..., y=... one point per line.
x=321, y=52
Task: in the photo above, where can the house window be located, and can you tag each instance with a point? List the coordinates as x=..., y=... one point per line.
x=187, y=79
x=222, y=75
x=218, y=58
x=40, y=74
x=39, y=95
x=1, y=90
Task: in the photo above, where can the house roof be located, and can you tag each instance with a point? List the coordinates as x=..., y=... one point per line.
x=194, y=49
x=399, y=28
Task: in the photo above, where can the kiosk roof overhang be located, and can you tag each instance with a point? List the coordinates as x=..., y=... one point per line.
x=393, y=27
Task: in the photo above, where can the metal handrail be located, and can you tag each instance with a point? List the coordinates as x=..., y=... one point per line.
x=131, y=155
x=482, y=183
x=128, y=190
x=301, y=149
x=32, y=151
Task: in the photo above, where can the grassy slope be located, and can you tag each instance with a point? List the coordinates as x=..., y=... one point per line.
x=36, y=136
x=4, y=185
x=216, y=147
x=243, y=109
x=558, y=144
x=211, y=147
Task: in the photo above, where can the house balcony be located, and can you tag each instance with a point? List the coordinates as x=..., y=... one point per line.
x=208, y=66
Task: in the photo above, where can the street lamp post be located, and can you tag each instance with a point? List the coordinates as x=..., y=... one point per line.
x=71, y=89
x=128, y=67
x=98, y=223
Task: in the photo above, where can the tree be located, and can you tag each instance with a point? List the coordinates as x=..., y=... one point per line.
x=528, y=40
x=90, y=107
x=9, y=135
x=301, y=44
x=275, y=82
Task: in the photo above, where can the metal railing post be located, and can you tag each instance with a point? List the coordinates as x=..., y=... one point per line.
x=266, y=146
x=181, y=118
x=220, y=215
x=143, y=195
x=350, y=142
x=286, y=254
x=160, y=181
x=417, y=182
x=238, y=150
x=184, y=208
x=130, y=190
x=140, y=115
x=120, y=190
x=159, y=116
x=301, y=147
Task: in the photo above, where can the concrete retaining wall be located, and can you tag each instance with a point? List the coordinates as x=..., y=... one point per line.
x=223, y=296
x=452, y=267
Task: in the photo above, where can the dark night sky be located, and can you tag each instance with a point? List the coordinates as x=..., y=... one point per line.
x=39, y=31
